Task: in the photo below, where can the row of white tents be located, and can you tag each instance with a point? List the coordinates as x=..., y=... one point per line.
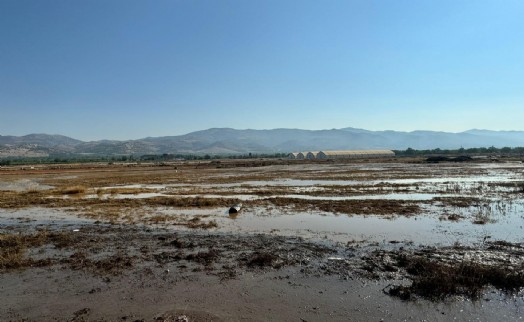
x=346, y=154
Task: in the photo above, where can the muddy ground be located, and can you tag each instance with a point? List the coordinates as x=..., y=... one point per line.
x=155, y=242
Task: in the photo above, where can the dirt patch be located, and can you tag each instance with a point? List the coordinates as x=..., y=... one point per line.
x=114, y=250
x=114, y=264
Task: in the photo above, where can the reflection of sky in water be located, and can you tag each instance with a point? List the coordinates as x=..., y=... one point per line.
x=505, y=217
x=389, y=196
x=423, y=229
x=507, y=223
x=41, y=216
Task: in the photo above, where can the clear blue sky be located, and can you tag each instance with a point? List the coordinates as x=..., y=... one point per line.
x=130, y=69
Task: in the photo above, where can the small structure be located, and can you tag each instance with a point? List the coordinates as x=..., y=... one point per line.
x=292, y=155
x=351, y=154
x=312, y=155
x=301, y=156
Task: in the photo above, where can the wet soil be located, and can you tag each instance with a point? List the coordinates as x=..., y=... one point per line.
x=72, y=251
x=115, y=273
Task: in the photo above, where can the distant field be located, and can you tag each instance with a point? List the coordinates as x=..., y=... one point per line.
x=397, y=224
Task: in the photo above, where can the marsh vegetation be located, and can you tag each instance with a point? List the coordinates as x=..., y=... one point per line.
x=444, y=230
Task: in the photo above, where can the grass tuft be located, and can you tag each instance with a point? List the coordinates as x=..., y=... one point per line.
x=73, y=190
x=436, y=281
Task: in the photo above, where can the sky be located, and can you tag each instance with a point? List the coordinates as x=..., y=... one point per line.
x=128, y=69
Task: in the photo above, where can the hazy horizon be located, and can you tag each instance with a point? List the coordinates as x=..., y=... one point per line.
x=244, y=129
x=131, y=69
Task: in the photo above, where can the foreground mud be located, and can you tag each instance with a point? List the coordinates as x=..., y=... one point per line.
x=107, y=273
x=156, y=244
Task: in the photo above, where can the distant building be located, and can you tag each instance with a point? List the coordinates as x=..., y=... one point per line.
x=353, y=154
x=312, y=155
x=345, y=154
x=292, y=155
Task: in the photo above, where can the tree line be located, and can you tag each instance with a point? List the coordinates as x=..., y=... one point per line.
x=66, y=159
x=505, y=151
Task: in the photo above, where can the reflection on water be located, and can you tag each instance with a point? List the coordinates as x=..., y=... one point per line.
x=498, y=214
x=23, y=185
x=425, y=229
x=41, y=216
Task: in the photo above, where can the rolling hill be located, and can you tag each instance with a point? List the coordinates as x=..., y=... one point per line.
x=232, y=141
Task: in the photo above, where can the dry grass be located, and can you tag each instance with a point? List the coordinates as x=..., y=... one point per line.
x=191, y=202
x=193, y=223
x=457, y=201
x=72, y=190
x=436, y=281
x=77, y=180
x=127, y=191
x=13, y=248
x=356, y=207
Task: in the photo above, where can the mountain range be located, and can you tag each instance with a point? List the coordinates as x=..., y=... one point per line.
x=232, y=141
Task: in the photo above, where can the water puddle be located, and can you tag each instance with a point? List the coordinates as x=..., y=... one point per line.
x=41, y=216
x=389, y=196
x=498, y=214
x=426, y=229
x=137, y=186
x=23, y=185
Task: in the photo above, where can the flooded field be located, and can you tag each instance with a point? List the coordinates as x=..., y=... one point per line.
x=422, y=203
x=362, y=221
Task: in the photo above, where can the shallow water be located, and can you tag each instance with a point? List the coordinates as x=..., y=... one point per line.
x=41, y=216
x=501, y=205
x=425, y=229
x=390, y=196
x=23, y=185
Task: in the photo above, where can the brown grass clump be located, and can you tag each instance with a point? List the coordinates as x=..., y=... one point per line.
x=436, y=281
x=13, y=248
x=13, y=257
x=128, y=191
x=357, y=207
x=198, y=202
x=73, y=190
x=482, y=219
x=15, y=199
x=455, y=217
x=451, y=217
x=457, y=201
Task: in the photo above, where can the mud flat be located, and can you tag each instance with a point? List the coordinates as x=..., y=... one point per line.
x=359, y=241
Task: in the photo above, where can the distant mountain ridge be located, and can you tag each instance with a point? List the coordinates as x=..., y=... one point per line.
x=232, y=141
